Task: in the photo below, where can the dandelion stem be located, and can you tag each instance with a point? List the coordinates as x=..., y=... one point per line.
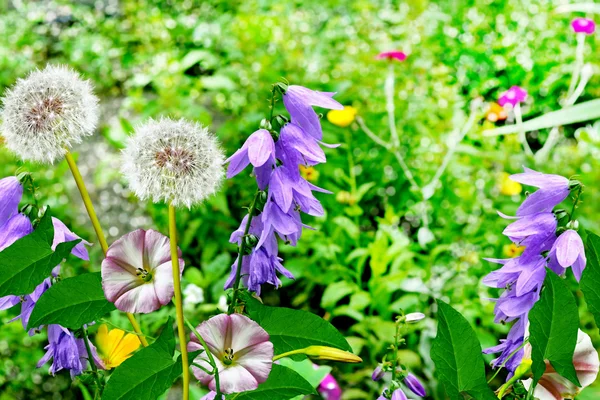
x=89, y=206
x=238, y=272
x=211, y=359
x=179, y=302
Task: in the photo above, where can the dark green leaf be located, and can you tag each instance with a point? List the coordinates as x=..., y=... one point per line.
x=554, y=322
x=72, y=302
x=30, y=260
x=456, y=353
x=282, y=384
x=294, y=329
x=590, y=280
x=148, y=373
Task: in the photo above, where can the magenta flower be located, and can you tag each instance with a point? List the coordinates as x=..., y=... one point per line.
x=329, y=388
x=241, y=349
x=392, y=55
x=583, y=25
x=513, y=96
x=137, y=274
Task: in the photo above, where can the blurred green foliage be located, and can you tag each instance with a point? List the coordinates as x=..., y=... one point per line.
x=214, y=61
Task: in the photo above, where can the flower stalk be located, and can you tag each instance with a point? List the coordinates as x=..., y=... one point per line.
x=86, y=341
x=211, y=359
x=89, y=206
x=179, y=302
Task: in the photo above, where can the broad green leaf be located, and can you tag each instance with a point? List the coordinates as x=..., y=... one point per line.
x=282, y=384
x=30, y=260
x=148, y=373
x=456, y=353
x=585, y=111
x=590, y=280
x=554, y=322
x=293, y=329
x=72, y=302
x=311, y=372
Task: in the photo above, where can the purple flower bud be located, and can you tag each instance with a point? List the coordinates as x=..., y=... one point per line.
x=568, y=251
x=399, y=395
x=413, y=383
x=11, y=192
x=378, y=373
x=583, y=25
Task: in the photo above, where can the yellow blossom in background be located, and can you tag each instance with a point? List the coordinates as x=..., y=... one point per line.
x=508, y=186
x=309, y=173
x=342, y=118
x=114, y=347
x=512, y=250
x=496, y=113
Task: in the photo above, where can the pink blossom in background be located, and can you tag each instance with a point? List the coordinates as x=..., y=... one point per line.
x=392, y=55
x=583, y=25
x=513, y=96
x=329, y=388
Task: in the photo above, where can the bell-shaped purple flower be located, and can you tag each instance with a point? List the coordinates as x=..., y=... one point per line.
x=67, y=352
x=11, y=192
x=257, y=150
x=399, y=395
x=531, y=229
x=568, y=251
x=304, y=147
x=378, y=373
x=415, y=385
x=299, y=101
x=553, y=189
x=510, y=306
x=508, y=346
x=513, y=96
x=583, y=25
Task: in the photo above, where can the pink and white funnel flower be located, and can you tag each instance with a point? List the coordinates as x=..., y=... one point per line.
x=137, y=274
x=241, y=349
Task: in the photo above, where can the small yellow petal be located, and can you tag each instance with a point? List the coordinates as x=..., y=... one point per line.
x=342, y=118
x=507, y=186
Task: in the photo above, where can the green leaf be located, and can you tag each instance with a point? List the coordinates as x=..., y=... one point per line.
x=282, y=384
x=456, y=353
x=72, y=302
x=554, y=322
x=148, y=373
x=311, y=372
x=293, y=329
x=30, y=260
x=590, y=280
x=585, y=111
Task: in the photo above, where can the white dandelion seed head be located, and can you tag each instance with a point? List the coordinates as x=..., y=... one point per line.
x=46, y=113
x=173, y=161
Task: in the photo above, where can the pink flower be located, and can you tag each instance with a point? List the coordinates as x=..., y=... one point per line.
x=241, y=349
x=329, y=388
x=552, y=386
x=137, y=273
x=392, y=55
x=583, y=25
x=513, y=96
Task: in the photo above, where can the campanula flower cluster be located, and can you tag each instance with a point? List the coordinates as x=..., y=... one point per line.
x=549, y=243
x=276, y=158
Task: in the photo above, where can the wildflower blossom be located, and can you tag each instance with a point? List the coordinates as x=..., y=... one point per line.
x=583, y=25
x=507, y=186
x=329, y=388
x=399, y=394
x=378, y=373
x=415, y=385
x=63, y=234
x=496, y=112
x=392, y=55
x=277, y=166
x=309, y=173
x=552, y=386
x=513, y=96
x=137, y=274
x=174, y=161
x=47, y=112
x=553, y=189
x=115, y=346
x=67, y=352
x=568, y=251
x=242, y=352
x=342, y=118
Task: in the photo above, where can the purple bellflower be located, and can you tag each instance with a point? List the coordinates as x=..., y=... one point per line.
x=415, y=385
x=276, y=169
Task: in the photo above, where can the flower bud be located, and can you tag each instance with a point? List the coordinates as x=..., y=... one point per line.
x=330, y=353
x=399, y=395
x=415, y=386
x=265, y=124
x=378, y=373
x=414, y=317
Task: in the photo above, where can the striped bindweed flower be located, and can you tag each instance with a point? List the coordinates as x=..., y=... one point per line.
x=241, y=349
x=136, y=273
x=47, y=112
x=175, y=161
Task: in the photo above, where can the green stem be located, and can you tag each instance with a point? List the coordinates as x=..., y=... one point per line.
x=506, y=360
x=273, y=91
x=86, y=341
x=211, y=359
x=289, y=353
x=396, y=346
x=238, y=272
x=575, y=201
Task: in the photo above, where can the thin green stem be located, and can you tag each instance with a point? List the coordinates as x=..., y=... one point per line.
x=396, y=346
x=179, y=302
x=238, y=272
x=575, y=202
x=272, y=106
x=211, y=359
x=86, y=341
x=506, y=360
x=289, y=353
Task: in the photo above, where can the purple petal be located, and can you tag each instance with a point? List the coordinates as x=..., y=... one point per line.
x=540, y=180
x=237, y=162
x=543, y=200
x=569, y=247
x=7, y=302
x=313, y=97
x=260, y=147
x=292, y=136
x=17, y=227
x=280, y=188
x=11, y=192
x=63, y=234
x=413, y=383
x=399, y=395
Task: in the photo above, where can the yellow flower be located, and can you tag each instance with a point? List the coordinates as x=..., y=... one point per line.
x=309, y=173
x=114, y=347
x=496, y=113
x=512, y=250
x=508, y=186
x=342, y=118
